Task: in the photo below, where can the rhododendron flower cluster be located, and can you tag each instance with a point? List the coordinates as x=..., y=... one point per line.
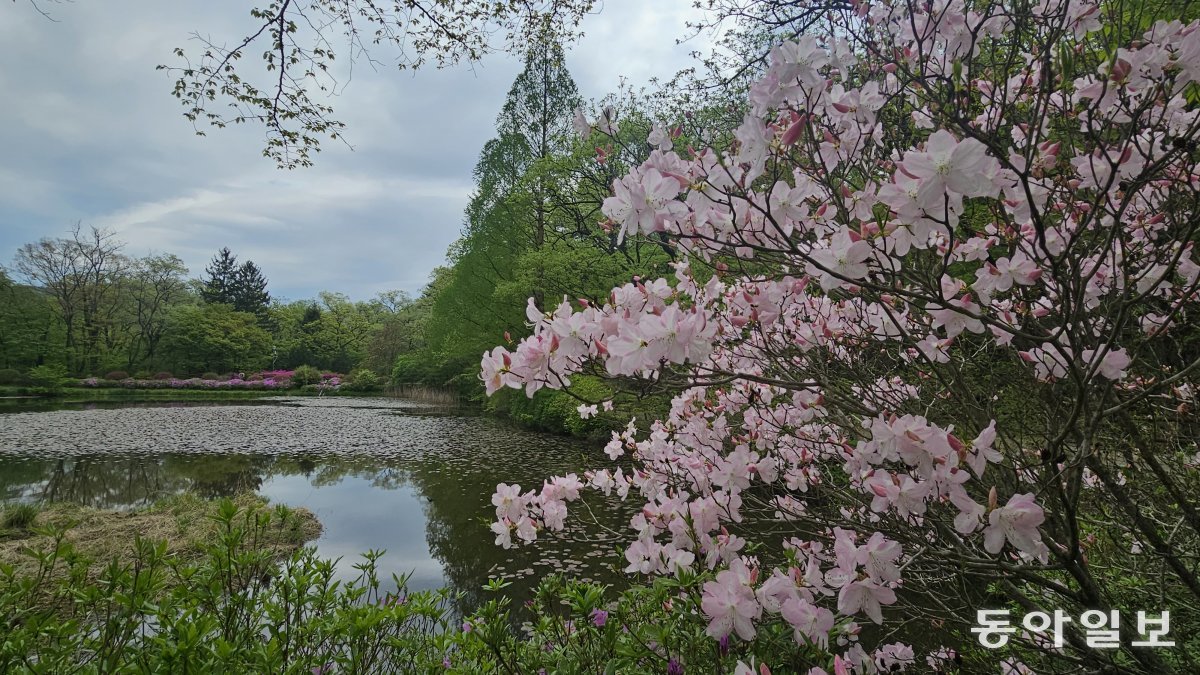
x=1040, y=216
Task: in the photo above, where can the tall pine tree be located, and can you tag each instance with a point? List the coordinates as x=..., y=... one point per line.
x=222, y=278
x=241, y=286
x=250, y=290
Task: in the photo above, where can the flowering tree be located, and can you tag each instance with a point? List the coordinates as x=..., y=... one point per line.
x=933, y=317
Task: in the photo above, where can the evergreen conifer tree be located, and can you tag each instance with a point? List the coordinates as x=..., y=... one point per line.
x=250, y=289
x=222, y=278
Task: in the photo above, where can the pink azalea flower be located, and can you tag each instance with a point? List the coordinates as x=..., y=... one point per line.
x=659, y=137
x=730, y=604
x=956, y=321
x=865, y=595
x=809, y=622
x=1048, y=363
x=981, y=451
x=1017, y=523
x=496, y=374
x=503, y=534
x=970, y=512
x=845, y=256
x=1113, y=365
x=640, y=202
x=949, y=164
x=878, y=558
x=508, y=501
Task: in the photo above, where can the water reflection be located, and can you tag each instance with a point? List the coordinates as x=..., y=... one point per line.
x=379, y=474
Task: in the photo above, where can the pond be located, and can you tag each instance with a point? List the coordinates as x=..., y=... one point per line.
x=413, y=479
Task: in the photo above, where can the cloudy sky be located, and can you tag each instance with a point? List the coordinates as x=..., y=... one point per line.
x=89, y=133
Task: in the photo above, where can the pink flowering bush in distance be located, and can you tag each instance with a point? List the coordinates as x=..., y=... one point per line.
x=934, y=316
x=279, y=379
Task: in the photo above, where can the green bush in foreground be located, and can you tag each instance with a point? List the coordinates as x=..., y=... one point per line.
x=238, y=609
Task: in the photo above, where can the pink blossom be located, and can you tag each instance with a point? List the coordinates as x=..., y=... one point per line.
x=496, y=371
x=865, y=595
x=949, y=164
x=503, y=533
x=1112, y=366
x=846, y=256
x=982, y=450
x=960, y=315
x=659, y=137
x=878, y=558
x=970, y=512
x=580, y=124
x=894, y=657
x=1048, y=362
x=730, y=604
x=810, y=622
x=1017, y=523
x=508, y=501
x=640, y=203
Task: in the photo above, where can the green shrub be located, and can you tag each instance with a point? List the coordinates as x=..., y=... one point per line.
x=117, y=375
x=239, y=611
x=163, y=375
x=10, y=376
x=306, y=375
x=209, y=376
x=143, y=375
x=20, y=516
x=48, y=379
x=558, y=412
x=363, y=379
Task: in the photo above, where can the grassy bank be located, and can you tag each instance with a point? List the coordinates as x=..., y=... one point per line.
x=185, y=523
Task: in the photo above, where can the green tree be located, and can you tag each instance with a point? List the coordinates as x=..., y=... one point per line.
x=249, y=293
x=402, y=330
x=343, y=331
x=221, y=283
x=84, y=274
x=241, y=286
x=214, y=337
x=537, y=115
x=509, y=215
x=28, y=325
x=158, y=283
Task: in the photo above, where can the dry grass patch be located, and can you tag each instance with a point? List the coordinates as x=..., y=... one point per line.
x=184, y=522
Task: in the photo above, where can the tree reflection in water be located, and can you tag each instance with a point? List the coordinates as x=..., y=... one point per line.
x=376, y=477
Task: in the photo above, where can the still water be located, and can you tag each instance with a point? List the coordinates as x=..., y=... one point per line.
x=379, y=473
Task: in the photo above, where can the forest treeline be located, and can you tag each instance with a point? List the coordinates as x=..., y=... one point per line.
x=79, y=305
